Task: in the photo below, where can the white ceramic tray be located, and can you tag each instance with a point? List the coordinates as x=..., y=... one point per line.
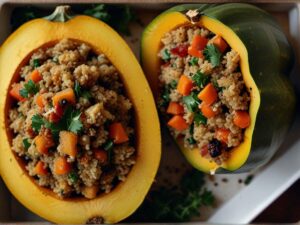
x=236, y=203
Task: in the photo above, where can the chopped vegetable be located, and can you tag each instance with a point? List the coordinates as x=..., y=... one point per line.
x=175, y=108
x=209, y=94
x=67, y=94
x=15, y=92
x=37, y=121
x=68, y=143
x=29, y=88
x=173, y=84
x=26, y=143
x=193, y=61
x=206, y=110
x=212, y=54
x=222, y=134
x=180, y=50
x=40, y=169
x=197, y=45
x=101, y=155
x=43, y=143
x=199, y=118
x=178, y=123
x=72, y=120
x=219, y=42
x=200, y=79
x=61, y=166
x=40, y=100
x=165, y=55
x=241, y=119
x=191, y=102
x=73, y=176
x=35, y=76
x=36, y=63
x=117, y=133
x=185, y=85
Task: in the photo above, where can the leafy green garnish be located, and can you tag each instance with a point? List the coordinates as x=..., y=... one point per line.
x=29, y=88
x=73, y=121
x=173, y=84
x=191, y=101
x=193, y=61
x=165, y=96
x=178, y=203
x=212, y=54
x=37, y=121
x=165, y=55
x=200, y=79
x=217, y=87
x=108, y=146
x=26, y=143
x=191, y=141
x=73, y=176
x=36, y=63
x=199, y=118
x=80, y=92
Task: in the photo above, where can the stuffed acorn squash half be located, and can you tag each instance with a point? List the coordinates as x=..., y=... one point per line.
x=219, y=73
x=77, y=145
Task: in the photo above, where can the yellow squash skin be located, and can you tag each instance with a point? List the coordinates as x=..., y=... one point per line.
x=128, y=195
x=151, y=64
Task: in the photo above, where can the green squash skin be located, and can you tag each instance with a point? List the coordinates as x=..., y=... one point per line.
x=270, y=62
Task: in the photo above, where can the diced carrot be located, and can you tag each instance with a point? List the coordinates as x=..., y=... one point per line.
x=117, y=133
x=222, y=134
x=90, y=192
x=40, y=100
x=175, y=108
x=67, y=94
x=15, y=92
x=220, y=43
x=207, y=110
x=241, y=119
x=35, y=76
x=178, y=123
x=209, y=94
x=68, y=143
x=43, y=143
x=185, y=85
x=197, y=45
x=195, y=52
x=61, y=166
x=101, y=155
x=40, y=168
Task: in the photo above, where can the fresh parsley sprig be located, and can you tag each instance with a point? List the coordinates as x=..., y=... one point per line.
x=81, y=92
x=212, y=54
x=29, y=88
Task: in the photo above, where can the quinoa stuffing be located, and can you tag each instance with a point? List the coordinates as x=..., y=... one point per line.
x=203, y=94
x=72, y=122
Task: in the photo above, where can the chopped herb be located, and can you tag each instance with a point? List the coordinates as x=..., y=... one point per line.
x=37, y=121
x=200, y=79
x=191, y=101
x=165, y=55
x=81, y=93
x=73, y=176
x=73, y=121
x=212, y=54
x=173, y=84
x=29, y=88
x=108, y=145
x=36, y=63
x=165, y=96
x=193, y=61
x=26, y=143
x=199, y=118
x=191, y=141
x=215, y=84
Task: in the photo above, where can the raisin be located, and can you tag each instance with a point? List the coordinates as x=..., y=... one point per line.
x=214, y=148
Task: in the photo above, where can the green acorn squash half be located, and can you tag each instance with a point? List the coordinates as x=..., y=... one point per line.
x=125, y=198
x=266, y=60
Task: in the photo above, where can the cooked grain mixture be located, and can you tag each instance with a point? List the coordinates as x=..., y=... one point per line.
x=203, y=94
x=72, y=122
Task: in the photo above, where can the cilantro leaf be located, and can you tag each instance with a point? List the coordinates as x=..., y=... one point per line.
x=81, y=93
x=191, y=101
x=212, y=54
x=37, y=121
x=193, y=61
x=26, y=143
x=165, y=55
x=75, y=124
x=199, y=118
x=73, y=176
x=173, y=84
x=200, y=79
x=29, y=88
x=36, y=63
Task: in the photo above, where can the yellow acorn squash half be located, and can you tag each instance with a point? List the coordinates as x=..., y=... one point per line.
x=128, y=195
x=266, y=60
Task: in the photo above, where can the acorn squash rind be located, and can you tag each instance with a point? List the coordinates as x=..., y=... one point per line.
x=114, y=206
x=266, y=39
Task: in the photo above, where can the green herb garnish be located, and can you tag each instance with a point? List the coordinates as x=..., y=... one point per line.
x=26, y=143
x=173, y=84
x=73, y=176
x=200, y=79
x=36, y=63
x=212, y=54
x=165, y=55
x=37, y=121
x=193, y=61
x=191, y=101
x=199, y=118
x=29, y=88
x=80, y=92
x=108, y=145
